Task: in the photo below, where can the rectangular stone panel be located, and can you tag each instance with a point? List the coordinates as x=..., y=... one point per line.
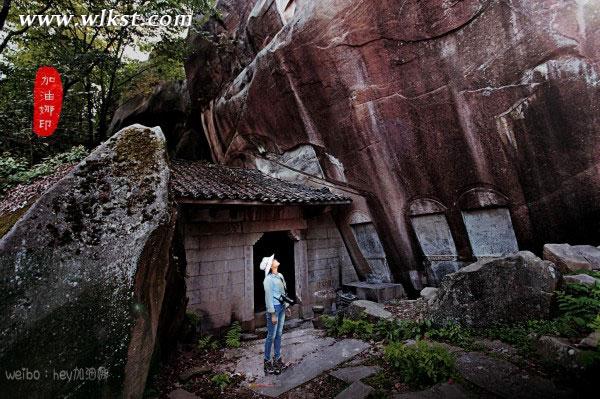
x=490, y=232
x=434, y=235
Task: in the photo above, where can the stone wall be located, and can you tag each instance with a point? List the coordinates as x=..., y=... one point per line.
x=220, y=266
x=325, y=254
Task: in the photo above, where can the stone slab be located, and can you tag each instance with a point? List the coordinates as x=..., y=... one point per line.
x=309, y=367
x=446, y=391
x=357, y=390
x=376, y=292
x=353, y=374
x=504, y=379
x=372, y=310
x=182, y=394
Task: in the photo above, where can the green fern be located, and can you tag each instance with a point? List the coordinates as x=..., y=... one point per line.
x=221, y=380
x=233, y=335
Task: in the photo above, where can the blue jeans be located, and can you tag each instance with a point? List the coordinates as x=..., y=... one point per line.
x=274, y=332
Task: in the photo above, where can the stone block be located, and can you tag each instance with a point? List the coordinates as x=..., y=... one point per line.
x=356, y=390
x=376, y=292
x=353, y=374
x=566, y=258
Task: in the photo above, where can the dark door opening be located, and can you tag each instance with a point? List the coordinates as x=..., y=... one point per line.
x=280, y=244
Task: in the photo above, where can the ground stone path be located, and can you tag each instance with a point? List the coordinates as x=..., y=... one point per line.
x=308, y=352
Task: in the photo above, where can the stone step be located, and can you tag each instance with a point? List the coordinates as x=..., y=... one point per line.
x=311, y=366
x=356, y=390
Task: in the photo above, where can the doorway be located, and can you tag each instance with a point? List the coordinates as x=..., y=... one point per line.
x=280, y=244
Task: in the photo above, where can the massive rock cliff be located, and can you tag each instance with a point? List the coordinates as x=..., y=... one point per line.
x=417, y=99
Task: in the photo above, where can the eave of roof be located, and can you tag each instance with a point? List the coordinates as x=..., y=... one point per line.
x=199, y=182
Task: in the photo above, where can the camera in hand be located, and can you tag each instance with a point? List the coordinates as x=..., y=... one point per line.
x=284, y=298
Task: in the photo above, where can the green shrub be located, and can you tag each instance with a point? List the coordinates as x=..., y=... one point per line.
x=221, y=380
x=15, y=170
x=453, y=334
x=422, y=364
x=233, y=335
x=332, y=324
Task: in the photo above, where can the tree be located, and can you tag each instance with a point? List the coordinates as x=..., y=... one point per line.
x=96, y=71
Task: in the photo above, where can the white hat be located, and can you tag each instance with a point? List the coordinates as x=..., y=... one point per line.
x=266, y=263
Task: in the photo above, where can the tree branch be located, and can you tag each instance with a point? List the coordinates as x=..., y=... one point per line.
x=4, y=13
x=18, y=32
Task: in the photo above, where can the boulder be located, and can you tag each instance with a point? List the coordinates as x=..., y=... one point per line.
x=581, y=279
x=83, y=273
x=505, y=290
x=569, y=258
x=590, y=253
x=559, y=351
x=372, y=310
x=591, y=341
x=429, y=293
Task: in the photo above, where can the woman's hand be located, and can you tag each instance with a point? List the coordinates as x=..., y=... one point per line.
x=273, y=318
x=288, y=312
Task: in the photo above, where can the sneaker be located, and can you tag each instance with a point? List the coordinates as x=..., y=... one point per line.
x=279, y=366
x=268, y=367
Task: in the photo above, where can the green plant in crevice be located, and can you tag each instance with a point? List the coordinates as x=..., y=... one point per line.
x=332, y=324
x=233, y=335
x=208, y=343
x=421, y=364
x=221, y=380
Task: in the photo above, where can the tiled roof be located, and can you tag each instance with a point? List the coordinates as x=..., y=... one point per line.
x=203, y=181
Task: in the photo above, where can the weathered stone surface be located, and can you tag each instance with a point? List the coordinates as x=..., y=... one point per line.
x=429, y=293
x=181, y=394
x=504, y=379
x=591, y=341
x=311, y=366
x=446, y=391
x=377, y=292
x=352, y=374
x=248, y=337
x=566, y=258
x=581, y=279
x=558, y=350
x=356, y=390
x=590, y=253
x=505, y=290
x=372, y=310
x=169, y=107
x=83, y=272
x=186, y=375
x=431, y=97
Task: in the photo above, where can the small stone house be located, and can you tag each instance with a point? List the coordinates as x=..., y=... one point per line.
x=232, y=217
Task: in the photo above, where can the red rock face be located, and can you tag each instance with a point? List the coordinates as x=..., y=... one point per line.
x=420, y=99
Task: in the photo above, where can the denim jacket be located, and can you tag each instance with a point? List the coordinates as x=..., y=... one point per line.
x=274, y=287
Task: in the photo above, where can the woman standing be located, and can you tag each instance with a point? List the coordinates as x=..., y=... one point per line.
x=274, y=285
